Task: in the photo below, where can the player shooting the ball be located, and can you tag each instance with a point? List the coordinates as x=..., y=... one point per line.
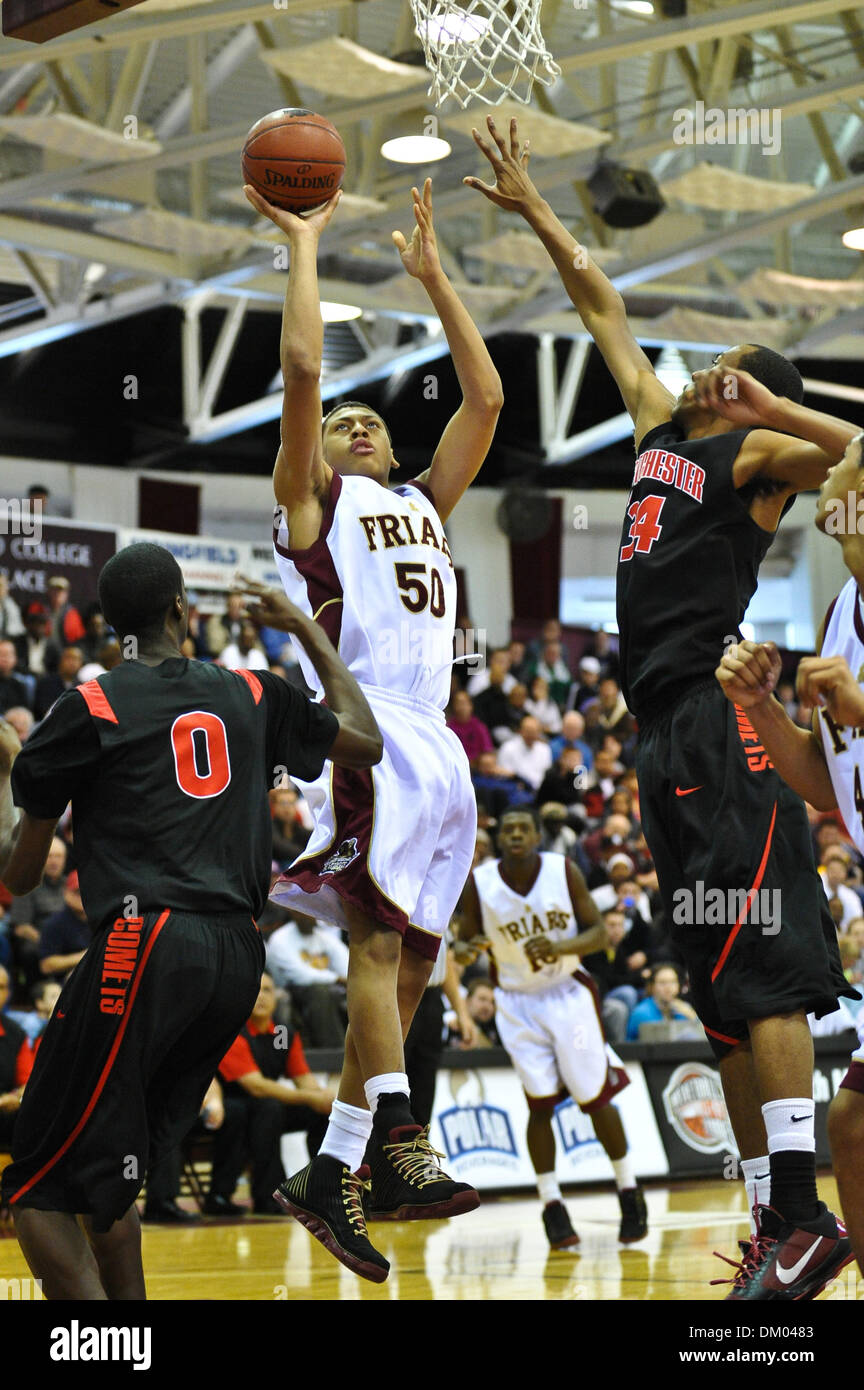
x=390, y=853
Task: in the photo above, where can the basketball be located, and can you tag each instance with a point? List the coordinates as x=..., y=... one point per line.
x=294, y=158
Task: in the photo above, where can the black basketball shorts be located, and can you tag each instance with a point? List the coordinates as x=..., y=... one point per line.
x=138, y=1033
x=734, y=860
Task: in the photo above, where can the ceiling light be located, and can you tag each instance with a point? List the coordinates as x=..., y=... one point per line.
x=415, y=149
x=854, y=239
x=634, y=6
x=331, y=312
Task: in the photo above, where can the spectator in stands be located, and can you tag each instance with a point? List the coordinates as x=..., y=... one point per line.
x=602, y=779
x=572, y=735
x=564, y=782
x=16, y=1063
x=483, y=848
x=619, y=970
x=471, y=732
x=585, y=687
x=38, y=497
x=11, y=625
x=22, y=721
x=246, y=653
x=50, y=688
x=615, y=718
x=555, y=671
x=614, y=836
x=834, y=873
x=497, y=789
x=619, y=868
x=292, y=823
x=38, y=654
x=556, y=836
x=95, y=633
x=12, y=690
x=29, y=914
x=661, y=1003
x=829, y=832
x=65, y=937
x=225, y=627
x=253, y=1072
x=108, y=656
x=852, y=951
x=44, y=995
x=543, y=707
x=496, y=674
x=310, y=961
x=527, y=754
x=481, y=1007
x=520, y=662
x=66, y=624
x=605, y=652
x=549, y=632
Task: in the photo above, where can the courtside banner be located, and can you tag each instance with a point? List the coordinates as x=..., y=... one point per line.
x=684, y=1085
x=56, y=548
x=207, y=562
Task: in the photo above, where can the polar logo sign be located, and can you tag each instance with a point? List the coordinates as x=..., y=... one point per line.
x=575, y=1130
x=469, y=1128
x=695, y=1108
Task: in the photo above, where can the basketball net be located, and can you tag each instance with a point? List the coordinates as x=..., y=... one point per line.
x=462, y=44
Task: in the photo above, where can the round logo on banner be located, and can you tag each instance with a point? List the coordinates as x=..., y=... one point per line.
x=696, y=1110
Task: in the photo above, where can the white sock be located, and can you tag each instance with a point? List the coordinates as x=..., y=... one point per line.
x=757, y=1185
x=547, y=1186
x=789, y=1124
x=624, y=1175
x=389, y=1081
x=347, y=1134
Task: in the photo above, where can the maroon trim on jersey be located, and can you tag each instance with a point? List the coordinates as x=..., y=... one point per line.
x=97, y=701
x=730, y=940
x=616, y=1077
x=859, y=625
x=112, y=1057
x=854, y=1078
x=541, y=1104
x=326, y=522
x=252, y=681
x=826, y=620
x=353, y=809
x=424, y=488
x=316, y=566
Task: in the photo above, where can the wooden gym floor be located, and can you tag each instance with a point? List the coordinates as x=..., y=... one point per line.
x=496, y=1253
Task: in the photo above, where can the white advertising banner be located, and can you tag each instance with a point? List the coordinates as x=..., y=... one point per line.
x=207, y=562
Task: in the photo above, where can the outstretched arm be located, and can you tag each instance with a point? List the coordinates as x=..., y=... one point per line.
x=600, y=306
x=790, y=443
x=300, y=477
x=465, y=442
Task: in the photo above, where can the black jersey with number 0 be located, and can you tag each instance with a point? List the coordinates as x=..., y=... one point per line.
x=168, y=768
x=687, y=565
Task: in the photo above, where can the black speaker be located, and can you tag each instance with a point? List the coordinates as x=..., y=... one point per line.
x=41, y=20
x=673, y=9
x=624, y=197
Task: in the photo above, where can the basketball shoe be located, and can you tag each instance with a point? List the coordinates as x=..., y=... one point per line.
x=791, y=1263
x=634, y=1215
x=406, y=1182
x=559, y=1231
x=327, y=1198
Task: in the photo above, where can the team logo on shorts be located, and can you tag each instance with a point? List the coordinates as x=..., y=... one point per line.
x=345, y=855
x=696, y=1110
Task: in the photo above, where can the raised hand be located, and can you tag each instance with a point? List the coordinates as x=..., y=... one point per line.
x=749, y=672
x=512, y=189
x=420, y=254
x=828, y=682
x=294, y=224
x=272, y=608
x=735, y=395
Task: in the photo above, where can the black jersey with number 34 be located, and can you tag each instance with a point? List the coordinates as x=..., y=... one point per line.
x=167, y=768
x=687, y=565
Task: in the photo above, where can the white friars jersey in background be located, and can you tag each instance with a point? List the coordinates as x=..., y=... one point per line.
x=380, y=581
x=509, y=920
x=844, y=748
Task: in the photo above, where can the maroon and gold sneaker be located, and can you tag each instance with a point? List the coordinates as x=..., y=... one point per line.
x=789, y=1262
x=406, y=1181
x=327, y=1198
x=752, y=1255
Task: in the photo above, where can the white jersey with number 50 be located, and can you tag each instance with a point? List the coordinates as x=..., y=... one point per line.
x=381, y=583
x=844, y=748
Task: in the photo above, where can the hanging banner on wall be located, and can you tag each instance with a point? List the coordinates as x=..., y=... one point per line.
x=56, y=549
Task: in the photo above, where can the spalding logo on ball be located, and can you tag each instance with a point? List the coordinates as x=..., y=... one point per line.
x=294, y=158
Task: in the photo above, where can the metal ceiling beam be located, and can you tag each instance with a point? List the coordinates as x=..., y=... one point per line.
x=31, y=235
x=67, y=320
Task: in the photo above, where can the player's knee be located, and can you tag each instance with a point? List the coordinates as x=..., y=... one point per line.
x=376, y=950
x=846, y=1126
